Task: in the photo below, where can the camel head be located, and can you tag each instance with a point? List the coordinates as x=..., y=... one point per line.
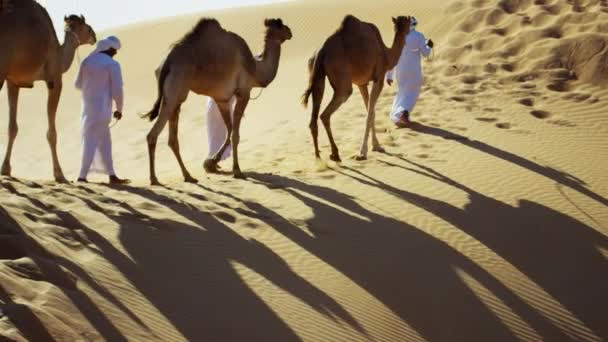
x=83, y=31
x=276, y=30
x=402, y=24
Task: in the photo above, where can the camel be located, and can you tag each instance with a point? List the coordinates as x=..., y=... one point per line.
x=212, y=61
x=354, y=54
x=31, y=52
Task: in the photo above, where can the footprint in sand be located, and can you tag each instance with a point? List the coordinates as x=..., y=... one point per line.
x=488, y=120
x=562, y=123
x=422, y=156
x=491, y=110
x=427, y=146
x=503, y=125
x=527, y=102
x=540, y=114
x=457, y=98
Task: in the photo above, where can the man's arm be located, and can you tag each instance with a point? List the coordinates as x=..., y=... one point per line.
x=424, y=48
x=116, y=85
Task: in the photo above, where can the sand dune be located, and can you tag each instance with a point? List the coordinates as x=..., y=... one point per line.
x=486, y=221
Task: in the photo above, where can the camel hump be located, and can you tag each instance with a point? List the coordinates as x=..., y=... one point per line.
x=350, y=20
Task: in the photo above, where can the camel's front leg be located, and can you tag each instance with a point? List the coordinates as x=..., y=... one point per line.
x=369, y=125
x=53, y=102
x=152, y=137
x=239, y=110
x=174, y=145
x=13, y=99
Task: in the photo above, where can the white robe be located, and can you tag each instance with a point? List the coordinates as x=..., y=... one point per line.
x=100, y=80
x=216, y=129
x=408, y=74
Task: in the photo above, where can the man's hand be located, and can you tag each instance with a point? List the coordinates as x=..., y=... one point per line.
x=430, y=43
x=389, y=81
x=117, y=115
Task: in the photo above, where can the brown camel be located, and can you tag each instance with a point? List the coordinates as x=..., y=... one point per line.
x=354, y=54
x=31, y=52
x=212, y=61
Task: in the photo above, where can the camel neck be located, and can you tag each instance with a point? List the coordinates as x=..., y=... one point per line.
x=394, y=52
x=68, y=50
x=268, y=65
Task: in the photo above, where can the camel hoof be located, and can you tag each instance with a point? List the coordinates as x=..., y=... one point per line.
x=210, y=166
x=6, y=171
x=155, y=182
x=61, y=180
x=239, y=175
x=191, y=180
x=361, y=158
x=336, y=158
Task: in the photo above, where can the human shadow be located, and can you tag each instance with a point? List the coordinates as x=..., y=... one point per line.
x=416, y=275
x=187, y=271
x=46, y=267
x=558, y=176
x=557, y=252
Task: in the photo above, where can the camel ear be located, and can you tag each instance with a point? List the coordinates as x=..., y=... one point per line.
x=82, y=18
x=394, y=20
x=267, y=22
x=280, y=21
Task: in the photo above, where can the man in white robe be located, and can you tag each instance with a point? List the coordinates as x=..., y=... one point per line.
x=408, y=74
x=100, y=80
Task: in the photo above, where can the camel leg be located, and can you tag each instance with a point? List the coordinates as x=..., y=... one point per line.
x=174, y=145
x=241, y=104
x=224, y=108
x=369, y=125
x=53, y=102
x=340, y=96
x=317, y=97
x=13, y=99
x=166, y=110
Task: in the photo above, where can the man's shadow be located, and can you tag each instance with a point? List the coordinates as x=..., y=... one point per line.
x=555, y=251
x=557, y=176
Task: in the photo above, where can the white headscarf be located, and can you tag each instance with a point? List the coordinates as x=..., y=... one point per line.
x=111, y=42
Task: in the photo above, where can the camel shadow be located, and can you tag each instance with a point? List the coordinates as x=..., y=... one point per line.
x=417, y=276
x=555, y=251
x=48, y=267
x=557, y=176
x=188, y=272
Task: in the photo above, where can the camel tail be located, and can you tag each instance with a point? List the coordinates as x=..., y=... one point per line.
x=164, y=72
x=317, y=74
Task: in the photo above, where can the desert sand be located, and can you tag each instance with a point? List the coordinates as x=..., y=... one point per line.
x=485, y=221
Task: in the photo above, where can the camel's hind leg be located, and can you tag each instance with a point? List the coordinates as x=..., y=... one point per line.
x=341, y=94
x=225, y=111
x=13, y=99
x=371, y=121
x=239, y=110
x=174, y=145
x=317, y=98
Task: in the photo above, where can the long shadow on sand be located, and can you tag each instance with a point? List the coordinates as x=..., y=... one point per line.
x=45, y=266
x=186, y=271
x=555, y=251
x=416, y=275
x=558, y=176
